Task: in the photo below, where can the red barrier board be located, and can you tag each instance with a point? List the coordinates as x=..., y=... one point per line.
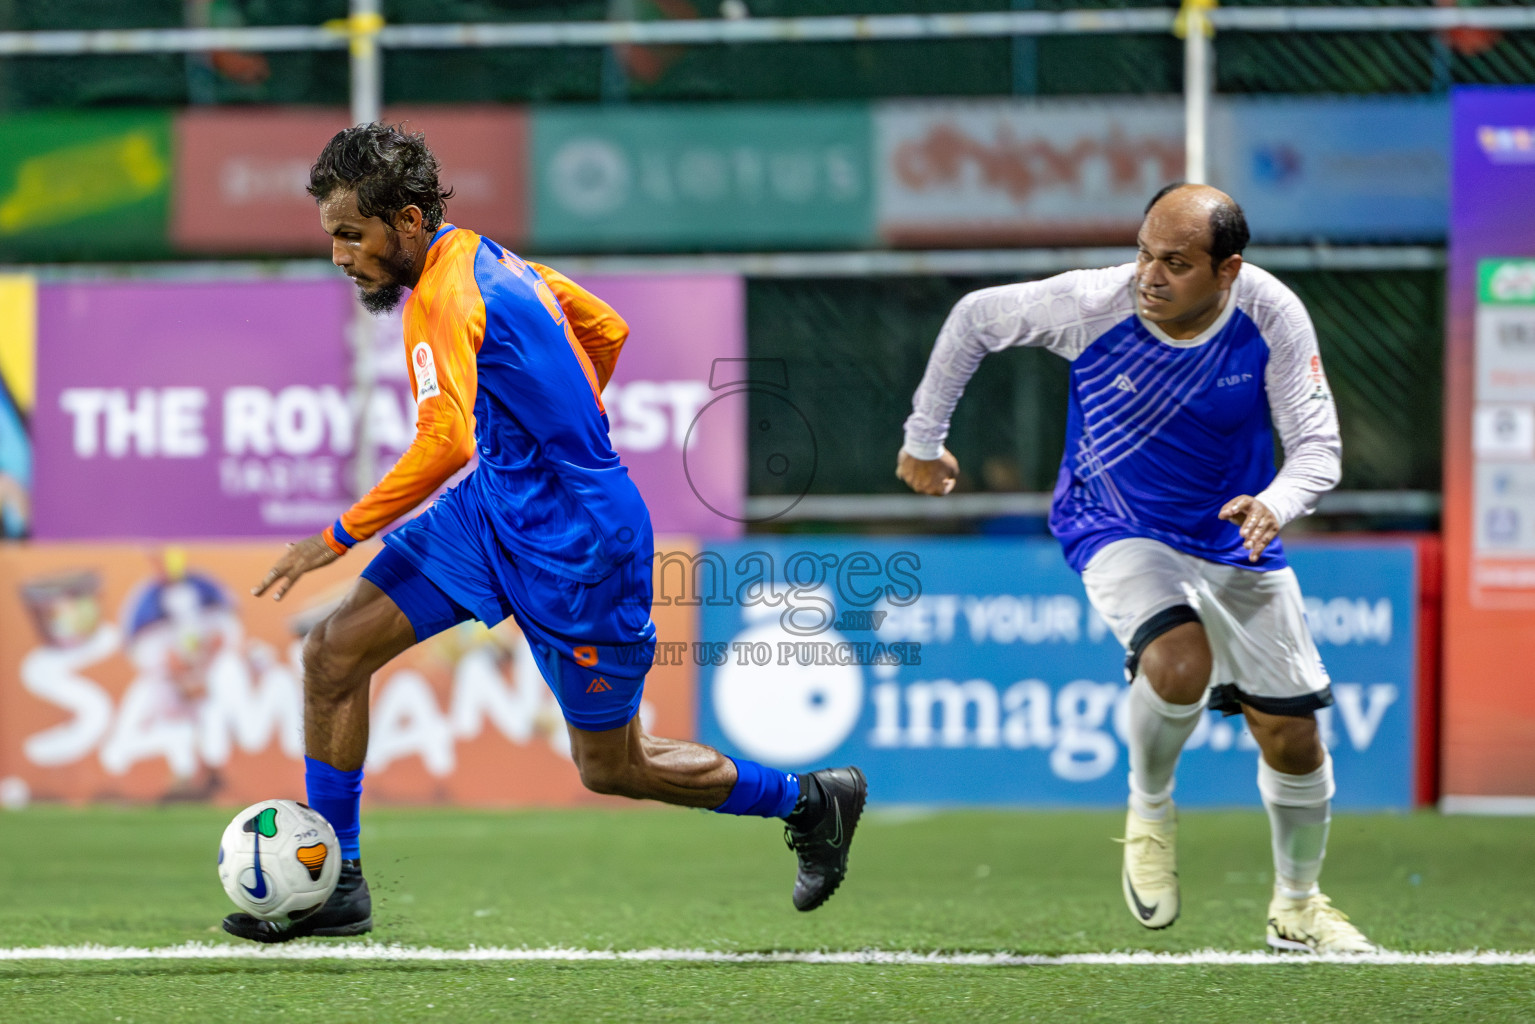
x=241, y=174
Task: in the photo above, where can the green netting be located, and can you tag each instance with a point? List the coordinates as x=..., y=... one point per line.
x=855, y=350
x=1382, y=338
x=1339, y=62
x=166, y=79
x=1371, y=62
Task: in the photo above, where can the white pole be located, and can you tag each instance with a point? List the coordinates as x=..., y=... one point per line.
x=367, y=102
x=1197, y=53
x=367, y=66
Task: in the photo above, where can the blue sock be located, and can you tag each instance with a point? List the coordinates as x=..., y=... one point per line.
x=760, y=790
x=336, y=795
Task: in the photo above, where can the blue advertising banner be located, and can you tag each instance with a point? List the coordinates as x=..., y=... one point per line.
x=963, y=671
x=1344, y=169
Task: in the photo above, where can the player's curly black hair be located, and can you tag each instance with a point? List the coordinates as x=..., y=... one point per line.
x=1228, y=225
x=388, y=167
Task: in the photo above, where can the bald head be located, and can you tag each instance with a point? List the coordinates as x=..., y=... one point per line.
x=1188, y=209
x=1189, y=254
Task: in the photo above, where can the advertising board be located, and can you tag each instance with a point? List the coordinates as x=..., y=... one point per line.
x=1489, y=453
x=148, y=672
x=685, y=176
x=1080, y=171
x=241, y=174
x=85, y=185
x=229, y=409
x=975, y=672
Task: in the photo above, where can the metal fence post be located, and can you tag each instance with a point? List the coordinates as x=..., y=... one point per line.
x=1194, y=26
x=367, y=64
x=367, y=103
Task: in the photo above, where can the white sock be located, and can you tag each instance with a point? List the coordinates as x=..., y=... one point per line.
x=1299, y=809
x=1157, y=733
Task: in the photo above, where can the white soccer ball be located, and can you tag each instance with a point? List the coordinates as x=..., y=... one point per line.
x=279, y=860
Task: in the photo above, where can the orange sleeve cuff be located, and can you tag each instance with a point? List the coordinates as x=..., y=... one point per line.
x=329, y=536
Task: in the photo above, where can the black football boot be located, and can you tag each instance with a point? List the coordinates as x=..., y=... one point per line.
x=349, y=911
x=820, y=830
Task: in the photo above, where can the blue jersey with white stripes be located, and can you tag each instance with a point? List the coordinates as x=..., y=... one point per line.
x=1161, y=433
x=1159, y=437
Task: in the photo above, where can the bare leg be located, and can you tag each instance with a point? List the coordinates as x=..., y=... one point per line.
x=340, y=656
x=1290, y=743
x=628, y=762
x=1178, y=664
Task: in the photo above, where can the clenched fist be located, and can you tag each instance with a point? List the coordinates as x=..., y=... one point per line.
x=928, y=476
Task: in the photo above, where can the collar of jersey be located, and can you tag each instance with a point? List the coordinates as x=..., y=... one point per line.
x=432, y=252
x=1204, y=335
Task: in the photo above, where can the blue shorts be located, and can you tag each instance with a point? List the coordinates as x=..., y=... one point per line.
x=594, y=642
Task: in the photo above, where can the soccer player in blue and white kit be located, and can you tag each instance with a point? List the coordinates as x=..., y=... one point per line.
x=508, y=360
x=1169, y=506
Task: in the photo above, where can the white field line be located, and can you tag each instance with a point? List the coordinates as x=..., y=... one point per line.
x=374, y=951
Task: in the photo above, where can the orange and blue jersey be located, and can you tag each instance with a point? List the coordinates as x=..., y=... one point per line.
x=508, y=360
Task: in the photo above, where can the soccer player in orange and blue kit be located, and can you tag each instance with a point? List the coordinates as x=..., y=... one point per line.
x=508, y=361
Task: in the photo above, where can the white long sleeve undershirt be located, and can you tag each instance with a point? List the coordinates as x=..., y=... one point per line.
x=1068, y=312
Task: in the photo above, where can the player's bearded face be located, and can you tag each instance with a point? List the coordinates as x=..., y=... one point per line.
x=370, y=251
x=394, y=268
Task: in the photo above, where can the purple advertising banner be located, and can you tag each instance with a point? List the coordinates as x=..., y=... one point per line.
x=674, y=417
x=192, y=409
x=1488, y=713
x=202, y=410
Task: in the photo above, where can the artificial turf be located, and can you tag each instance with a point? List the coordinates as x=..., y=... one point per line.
x=1035, y=882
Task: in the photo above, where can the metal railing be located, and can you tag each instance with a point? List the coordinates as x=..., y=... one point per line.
x=1027, y=262
x=1030, y=262
x=366, y=23
x=921, y=508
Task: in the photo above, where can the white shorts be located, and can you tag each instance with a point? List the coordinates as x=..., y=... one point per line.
x=1264, y=656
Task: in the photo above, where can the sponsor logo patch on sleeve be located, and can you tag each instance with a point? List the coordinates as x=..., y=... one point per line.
x=1319, y=389
x=424, y=365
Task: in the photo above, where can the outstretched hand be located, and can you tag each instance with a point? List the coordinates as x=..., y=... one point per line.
x=309, y=553
x=928, y=476
x=1259, y=524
